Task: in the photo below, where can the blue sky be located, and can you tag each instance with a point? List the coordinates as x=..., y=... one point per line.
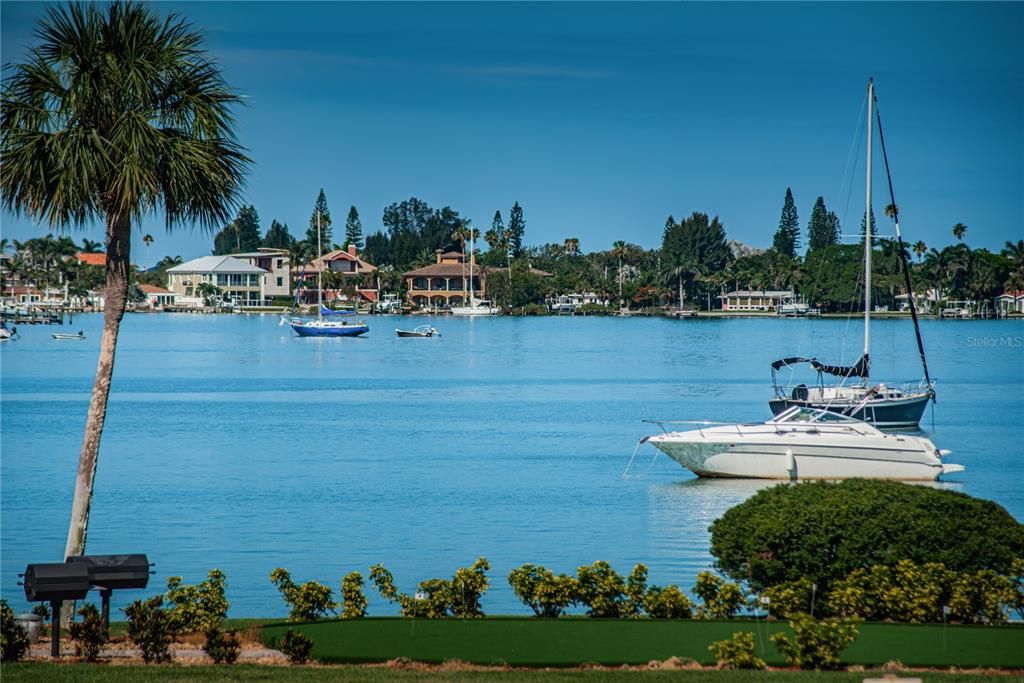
x=602, y=119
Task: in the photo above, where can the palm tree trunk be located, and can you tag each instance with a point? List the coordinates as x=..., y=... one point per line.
x=116, y=295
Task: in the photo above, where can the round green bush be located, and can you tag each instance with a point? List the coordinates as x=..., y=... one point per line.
x=824, y=531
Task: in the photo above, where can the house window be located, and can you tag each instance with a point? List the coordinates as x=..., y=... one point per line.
x=419, y=283
x=280, y=264
x=222, y=280
x=280, y=282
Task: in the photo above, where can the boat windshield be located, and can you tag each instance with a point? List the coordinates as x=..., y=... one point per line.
x=803, y=414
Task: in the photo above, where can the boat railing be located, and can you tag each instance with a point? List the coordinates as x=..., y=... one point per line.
x=706, y=423
x=906, y=388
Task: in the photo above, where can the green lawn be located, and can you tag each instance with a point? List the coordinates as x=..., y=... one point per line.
x=570, y=642
x=83, y=673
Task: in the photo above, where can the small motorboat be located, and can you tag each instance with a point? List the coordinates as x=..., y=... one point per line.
x=80, y=335
x=420, y=331
x=8, y=334
x=802, y=443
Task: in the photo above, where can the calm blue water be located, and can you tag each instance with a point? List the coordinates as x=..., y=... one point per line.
x=231, y=443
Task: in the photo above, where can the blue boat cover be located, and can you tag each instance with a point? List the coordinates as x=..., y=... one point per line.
x=327, y=311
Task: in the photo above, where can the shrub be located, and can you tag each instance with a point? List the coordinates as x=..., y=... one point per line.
x=149, y=627
x=667, y=603
x=468, y=585
x=438, y=598
x=1017, y=578
x=722, y=600
x=788, y=599
x=222, y=648
x=43, y=611
x=296, y=646
x=981, y=597
x=352, y=598
x=89, y=634
x=815, y=644
x=602, y=590
x=737, y=653
x=308, y=601
x=636, y=592
x=824, y=531
x=543, y=592
x=13, y=639
x=198, y=608
x=904, y=592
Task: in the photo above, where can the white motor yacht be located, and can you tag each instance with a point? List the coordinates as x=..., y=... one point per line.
x=802, y=443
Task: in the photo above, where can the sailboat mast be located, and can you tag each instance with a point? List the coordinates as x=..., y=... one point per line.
x=472, y=266
x=319, y=271
x=867, y=237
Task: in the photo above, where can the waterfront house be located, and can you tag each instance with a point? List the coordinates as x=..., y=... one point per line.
x=443, y=283
x=756, y=301
x=158, y=297
x=237, y=280
x=277, y=263
x=355, y=274
x=1009, y=303
x=923, y=301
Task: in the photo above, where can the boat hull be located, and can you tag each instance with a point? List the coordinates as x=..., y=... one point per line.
x=805, y=452
x=329, y=331
x=890, y=413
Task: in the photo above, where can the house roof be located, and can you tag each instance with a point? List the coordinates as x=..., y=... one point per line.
x=340, y=255
x=443, y=270
x=92, y=259
x=215, y=264
x=1011, y=295
x=263, y=252
x=152, y=289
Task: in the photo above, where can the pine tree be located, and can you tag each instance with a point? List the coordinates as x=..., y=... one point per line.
x=834, y=229
x=354, y=229
x=787, y=237
x=277, y=236
x=516, y=228
x=325, y=223
x=669, y=224
x=819, y=229
x=240, y=235
x=874, y=230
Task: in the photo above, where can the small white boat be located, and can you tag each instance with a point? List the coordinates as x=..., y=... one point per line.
x=419, y=331
x=8, y=334
x=476, y=307
x=802, y=443
x=58, y=335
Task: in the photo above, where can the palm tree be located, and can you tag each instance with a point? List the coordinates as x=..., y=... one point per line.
x=1014, y=251
x=958, y=231
x=148, y=239
x=619, y=250
x=891, y=211
x=117, y=113
x=920, y=249
x=572, y=245
x=91, y=247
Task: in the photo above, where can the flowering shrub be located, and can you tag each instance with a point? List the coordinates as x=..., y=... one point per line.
x=722, y=600
x=815, y=644
x=193, y=609
x=308, y=601
x=737, y=653
x=543, y=592
x=352, y=598
x=667, y=603
x=788, y=599
x=149, y=627
x=438, y=598
x=602, y=590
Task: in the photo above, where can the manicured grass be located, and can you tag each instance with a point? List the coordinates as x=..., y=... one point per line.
x=570, y=642
x=83, y=673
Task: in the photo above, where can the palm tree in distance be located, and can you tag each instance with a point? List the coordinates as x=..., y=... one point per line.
x=959, y=230
x=116, y=114
x=891, y=211
x=91, y=246
x=619, y=250
x=920, y=249
x=148, y=239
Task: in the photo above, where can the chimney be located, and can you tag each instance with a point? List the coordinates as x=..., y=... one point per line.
x=352, y=250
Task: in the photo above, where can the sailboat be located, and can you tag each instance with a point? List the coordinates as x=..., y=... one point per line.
x=322, y=327
x=474, y=306
x=882, y=405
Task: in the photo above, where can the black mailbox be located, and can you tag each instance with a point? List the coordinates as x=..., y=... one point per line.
x=114, y=572
x=56, y=581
